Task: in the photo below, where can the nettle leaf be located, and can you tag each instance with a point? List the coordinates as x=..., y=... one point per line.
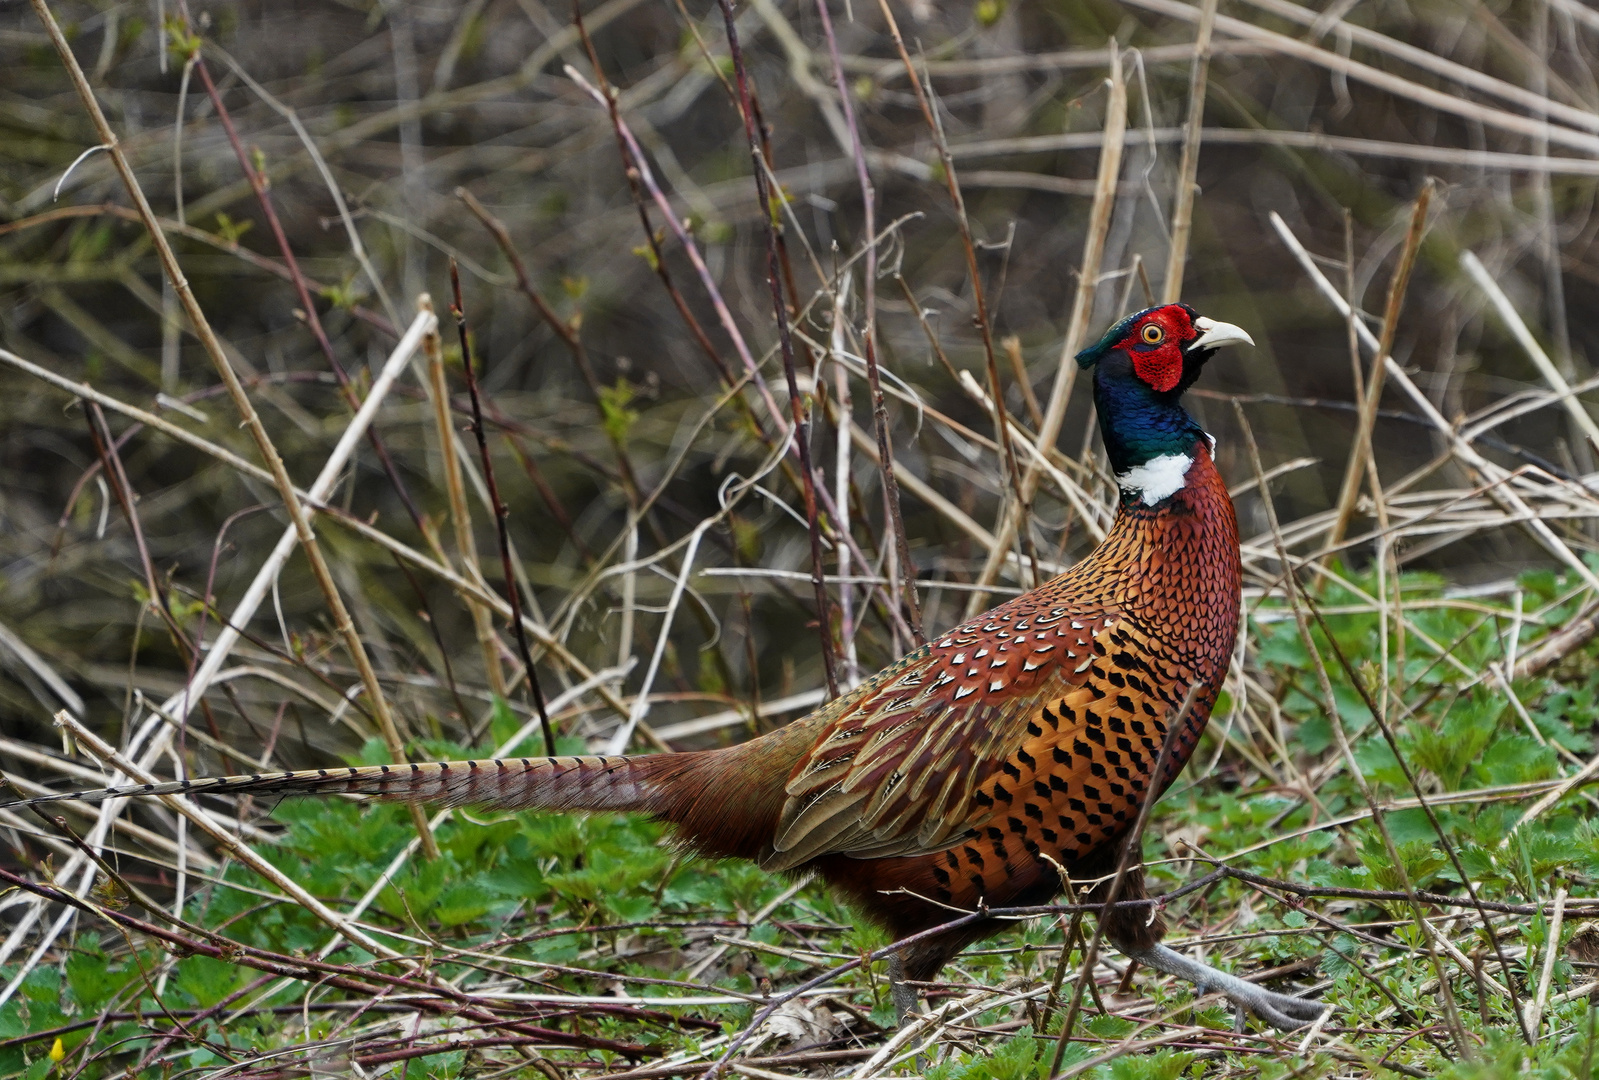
x=1377, y=762
x=206, y=980
x=1419, y=860
x=1476, y=860
x=1281, y=646
x=1410, y=826
x=1337, y=961
x=415, y=894
x=1161, y=1065
x=92, y=978
x=1549, y=852
x=1517, y=759
x=558, y=835
x=1021, y=1057
x=1110, y=1027
x=461, y=904
x=1315, y=734
x=477, y=843
x=1450, y=750
x=1566, y=715
x=516, y=879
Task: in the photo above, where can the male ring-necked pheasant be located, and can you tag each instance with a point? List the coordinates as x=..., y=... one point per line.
x=967, y=772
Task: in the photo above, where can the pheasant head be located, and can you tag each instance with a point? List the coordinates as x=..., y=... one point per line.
x=1141, y=367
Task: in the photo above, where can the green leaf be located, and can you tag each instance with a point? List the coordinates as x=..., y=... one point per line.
x=206, y=980
x=91, y=978
x=618, y=418
x=461, y=904
x=231, y=230
x=1517, y=759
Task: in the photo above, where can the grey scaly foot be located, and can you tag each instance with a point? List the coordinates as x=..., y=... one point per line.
x=1281, y=1011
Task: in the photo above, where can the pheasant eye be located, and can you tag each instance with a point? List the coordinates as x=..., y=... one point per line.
x=1153, y=335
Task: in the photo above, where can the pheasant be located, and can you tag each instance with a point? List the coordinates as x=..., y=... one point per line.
x=980, y=766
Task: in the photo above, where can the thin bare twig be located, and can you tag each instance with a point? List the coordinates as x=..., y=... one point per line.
x=502, y=513
x=903, y=568
x=801, y=421
x=980, y=317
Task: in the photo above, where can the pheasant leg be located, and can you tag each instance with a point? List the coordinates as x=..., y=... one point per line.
x=1281, y=1011
x=905, y=997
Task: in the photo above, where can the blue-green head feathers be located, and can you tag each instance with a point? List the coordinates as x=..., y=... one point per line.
x=1090, y=356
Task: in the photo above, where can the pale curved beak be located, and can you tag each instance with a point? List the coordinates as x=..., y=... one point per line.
x=1213, y=334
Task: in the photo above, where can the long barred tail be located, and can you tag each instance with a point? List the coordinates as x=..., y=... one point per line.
x=723, y=802
x=562, y=783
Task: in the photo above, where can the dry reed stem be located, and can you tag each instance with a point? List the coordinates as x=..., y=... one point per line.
x=460, y=511
x=1182, y=218
x=1360, y=452
x=1529, y=344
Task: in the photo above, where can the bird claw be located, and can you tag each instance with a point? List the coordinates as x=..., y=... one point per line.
x=1281, y=1011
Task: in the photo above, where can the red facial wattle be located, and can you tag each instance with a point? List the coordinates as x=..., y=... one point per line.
x=1155, y=346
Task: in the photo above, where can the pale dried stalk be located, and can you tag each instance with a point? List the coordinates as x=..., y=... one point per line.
x=343, y=625
x=1303, y=140
x=1518, y=328
x=460, y=511
x=1551, y=949
x=1454, y=104
x=1110, y=167
x=470, y=590
x=1499, y=491
x=1360, y=453
x=1182, y=218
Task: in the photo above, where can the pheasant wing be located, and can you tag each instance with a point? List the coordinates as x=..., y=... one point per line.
x=913, y=760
